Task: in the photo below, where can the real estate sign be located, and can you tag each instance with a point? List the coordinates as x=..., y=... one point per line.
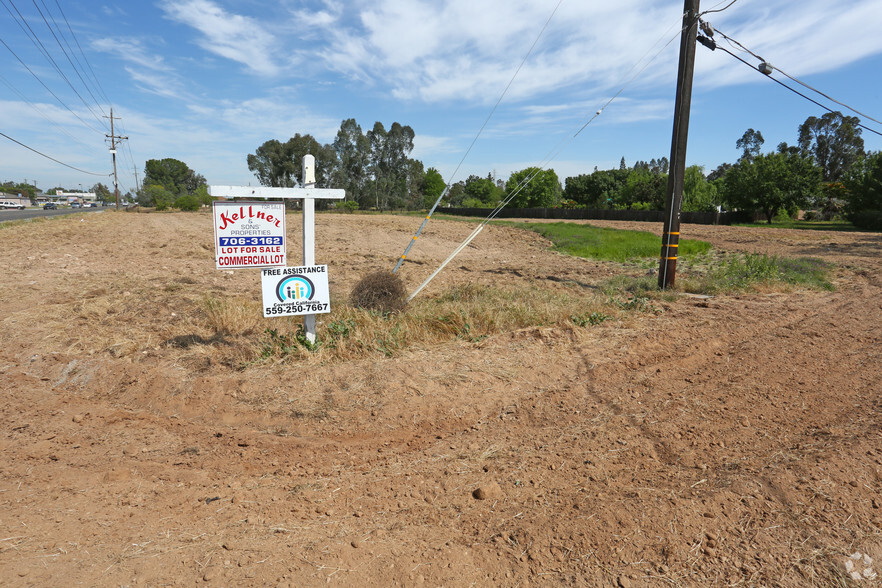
x=249, y=234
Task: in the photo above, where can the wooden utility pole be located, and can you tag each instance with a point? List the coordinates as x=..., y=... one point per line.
x=113, y=137
x=667, y=269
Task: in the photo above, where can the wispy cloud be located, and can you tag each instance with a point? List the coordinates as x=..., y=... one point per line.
x=232, y=36
x=158, y=84
x=112, y=11
x=330, y=12
x=801, y=37
x=460, y=51
x=131, y=50
x=455, y=51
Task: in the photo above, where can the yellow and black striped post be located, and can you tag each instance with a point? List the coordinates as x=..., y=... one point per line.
x=667, y=268
x=668, y=261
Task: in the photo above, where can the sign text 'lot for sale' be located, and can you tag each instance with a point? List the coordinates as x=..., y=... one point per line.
x=249, y=234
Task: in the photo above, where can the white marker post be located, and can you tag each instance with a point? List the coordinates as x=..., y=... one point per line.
x=308, y=167
x=308, y=193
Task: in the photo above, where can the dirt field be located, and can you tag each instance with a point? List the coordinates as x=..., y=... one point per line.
x=732, y=441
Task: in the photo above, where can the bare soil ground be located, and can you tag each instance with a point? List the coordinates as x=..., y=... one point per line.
x=731, y=441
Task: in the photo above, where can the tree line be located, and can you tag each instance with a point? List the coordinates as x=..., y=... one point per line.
x=374, y=167
x=376, y=171
x=827, y=172
x=170, y=183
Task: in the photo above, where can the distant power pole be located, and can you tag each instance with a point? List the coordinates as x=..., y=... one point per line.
x=667, y=269
x=113, y=137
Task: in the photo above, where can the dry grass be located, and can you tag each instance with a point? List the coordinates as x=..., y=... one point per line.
x=147, y=306
x=379, y=291
x=469, y=313
x=136, y=318
x=232, y=316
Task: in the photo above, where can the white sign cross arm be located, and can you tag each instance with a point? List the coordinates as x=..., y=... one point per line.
x=272, y=192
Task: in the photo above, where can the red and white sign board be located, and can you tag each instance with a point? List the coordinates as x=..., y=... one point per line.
x=249, y=234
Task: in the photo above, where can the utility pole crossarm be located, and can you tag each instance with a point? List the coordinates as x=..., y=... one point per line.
x=113, y=138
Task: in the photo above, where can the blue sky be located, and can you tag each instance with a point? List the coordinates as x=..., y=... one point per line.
x=208, y=81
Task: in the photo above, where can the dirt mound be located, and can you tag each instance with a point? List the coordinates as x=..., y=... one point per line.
x=724, y=441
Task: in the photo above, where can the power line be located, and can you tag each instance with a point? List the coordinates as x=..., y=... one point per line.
x=795, y=91
x=766, y=68
x=712, y=10
x=36, y=77
x=131, y=157
x=50, y=157
x=94, y=77
x=475, y=140
x=41, y=113
x=35, y=39
x=63, y=50
x=801, y=83
x=538, y=169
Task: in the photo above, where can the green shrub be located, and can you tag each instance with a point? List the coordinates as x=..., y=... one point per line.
x=868, y=220
x=474, y=203
x=349, y=206
x=187, y=202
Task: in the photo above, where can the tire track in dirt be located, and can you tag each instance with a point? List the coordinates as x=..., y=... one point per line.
x=745, y=450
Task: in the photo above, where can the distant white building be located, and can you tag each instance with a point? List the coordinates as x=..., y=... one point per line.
x=76, y=196
x=14, y=200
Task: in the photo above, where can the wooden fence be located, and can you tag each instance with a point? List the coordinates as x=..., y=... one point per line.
x=649, y=216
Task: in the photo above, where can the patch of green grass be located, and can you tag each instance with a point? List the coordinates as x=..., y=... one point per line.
x=721, y=274
x=8, y=224
x=638, y=303
x=277, y=344
x=589, y=319
x=582, y=240
x=744, y=272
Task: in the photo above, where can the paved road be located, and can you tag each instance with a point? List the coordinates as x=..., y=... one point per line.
x=8, y=215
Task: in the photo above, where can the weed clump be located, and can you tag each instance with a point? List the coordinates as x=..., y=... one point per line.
x=379, y=291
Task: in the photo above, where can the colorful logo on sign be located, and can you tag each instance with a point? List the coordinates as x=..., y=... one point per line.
x=295, y=288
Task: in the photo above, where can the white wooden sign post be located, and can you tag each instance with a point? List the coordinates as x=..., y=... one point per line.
x=308, y=193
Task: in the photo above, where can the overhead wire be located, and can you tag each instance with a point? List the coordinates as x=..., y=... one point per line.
x=712, y=45
x=64, y=51
x=42, y=83
x=475, y=140
x=714, y=9
x=50, y=157
x=35, y=39
x=830, y=98
x=86, y=59
x=552, y=154
x=128, y=152
x=27, y=100
x=784, y=73
x=75, y=63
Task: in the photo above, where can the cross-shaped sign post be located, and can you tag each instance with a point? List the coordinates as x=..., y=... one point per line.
x=308, y=193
